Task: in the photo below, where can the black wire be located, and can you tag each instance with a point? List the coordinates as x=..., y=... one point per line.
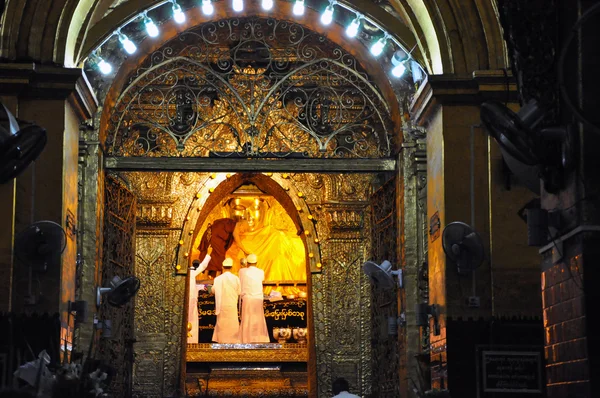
x=574, y=204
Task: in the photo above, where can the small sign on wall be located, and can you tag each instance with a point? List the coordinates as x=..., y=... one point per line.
x=515, y=372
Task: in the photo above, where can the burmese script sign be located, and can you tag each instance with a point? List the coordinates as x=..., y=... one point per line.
x=284, y=313
x=512, y=371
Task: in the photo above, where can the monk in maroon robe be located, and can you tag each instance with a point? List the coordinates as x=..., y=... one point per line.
x=218, y=236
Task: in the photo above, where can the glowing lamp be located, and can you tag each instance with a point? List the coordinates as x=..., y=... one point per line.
x=352, y=29
x=151, y=27
x=399, y=60
x=238, y=5
x=178, y=14
x=207, y=7
x=377, y=47
x=105, y=67
x=298, y=8
x=327, y=15
x=267, y=4
x=127, y=44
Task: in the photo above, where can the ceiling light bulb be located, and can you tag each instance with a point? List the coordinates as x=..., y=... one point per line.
x=298, y=9
x=238, y=5
x=105, y=67
x=128, y=45
x=267, y=4
x=207, y=7
x=327, y=15
x=399, y=57
x=377, y=47
x=151, y=27
x=399, y=70
x=352, y=29
x=178, y=14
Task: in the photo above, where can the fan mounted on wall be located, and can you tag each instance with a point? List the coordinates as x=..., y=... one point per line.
x=381, y=275
x=119, y=292
x=40, y=245
x=530, y=153
x=463, y=246
x=20, y=144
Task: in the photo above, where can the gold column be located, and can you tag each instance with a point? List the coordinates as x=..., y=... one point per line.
x=448, y=106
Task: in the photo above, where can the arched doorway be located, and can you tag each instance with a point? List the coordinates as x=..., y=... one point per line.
x=261, y=95
x=281, y=240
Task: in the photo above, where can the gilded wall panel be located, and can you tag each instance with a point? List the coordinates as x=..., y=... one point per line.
x=338, y=206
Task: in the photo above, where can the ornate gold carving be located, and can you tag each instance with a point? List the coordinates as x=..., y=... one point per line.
x=288, y=353
x=154, y=214
x=344, y=219
x=179, y=105
x=248, y=383
x=340, y=339
x=118, y=259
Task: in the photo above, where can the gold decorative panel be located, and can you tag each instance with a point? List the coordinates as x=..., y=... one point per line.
x=340, y=292
x=386, y=380
x=250, y=87
x=287, y=353
x=118, y=251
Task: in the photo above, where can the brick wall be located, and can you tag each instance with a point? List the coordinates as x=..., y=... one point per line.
x=563, y=300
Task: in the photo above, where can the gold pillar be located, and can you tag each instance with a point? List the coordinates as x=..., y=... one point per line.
x=448, y=107
x=57, y=99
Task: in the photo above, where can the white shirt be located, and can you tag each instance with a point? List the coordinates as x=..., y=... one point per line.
x=345, y=394
x=252, y=279
x=226, y=289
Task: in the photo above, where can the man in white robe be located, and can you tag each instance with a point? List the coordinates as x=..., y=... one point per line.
x=253, y=328
x=193, y=303
x=226, y=289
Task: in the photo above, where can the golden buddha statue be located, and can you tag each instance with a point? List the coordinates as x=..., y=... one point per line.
x=280, y=251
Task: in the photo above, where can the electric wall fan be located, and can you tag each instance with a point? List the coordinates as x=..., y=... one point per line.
x=119, y=292
x=40, y=245
x=530, y=153
x=463, y=246
x=381, y=275
x=19, y=145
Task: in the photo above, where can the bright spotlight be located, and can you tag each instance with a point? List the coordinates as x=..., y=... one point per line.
x=207, y=7
x=377, y=47
x=399, y=70
x=352, y=29
x=105, y=67
x=399, y=60
x=298, y=9
x=127, y=44
x=151, y=27
x=267, y=4
x=178, y=14
x=238, y=5
x=327, y=15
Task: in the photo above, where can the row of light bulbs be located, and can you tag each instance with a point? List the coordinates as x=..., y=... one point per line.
x=399, y=58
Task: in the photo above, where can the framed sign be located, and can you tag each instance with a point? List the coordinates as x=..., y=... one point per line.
x=511, y=372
